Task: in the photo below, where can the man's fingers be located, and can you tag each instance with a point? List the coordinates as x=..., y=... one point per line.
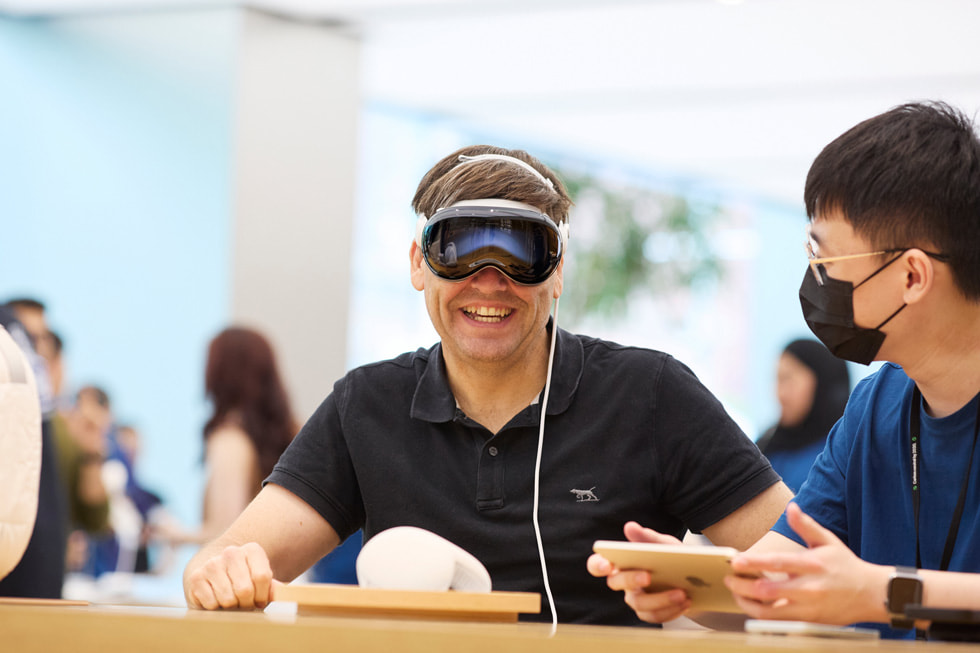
x=793, y=564
x=617, y=579
x=598, y=565
x=636, y=533
x=200, y=594
x=807, y=527
x=259, y=576
x=629, y=581
x=793, y=598
x=658, y=607
x=782, y=609
x=755, y=589
x=239, y=577
x=654, y=607
x=216, y=576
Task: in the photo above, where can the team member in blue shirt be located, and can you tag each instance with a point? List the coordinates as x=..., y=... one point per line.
x=890, y=513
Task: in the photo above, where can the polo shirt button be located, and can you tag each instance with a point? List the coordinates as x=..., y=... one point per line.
x=493, y=451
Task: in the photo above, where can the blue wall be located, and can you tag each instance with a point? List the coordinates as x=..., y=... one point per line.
x=114, y=210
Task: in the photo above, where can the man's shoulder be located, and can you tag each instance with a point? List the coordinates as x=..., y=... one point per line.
x=409, y=360
x=402, y=371
x=598, y=347
x=873, y=406
x=886, y=383
x=651, y=362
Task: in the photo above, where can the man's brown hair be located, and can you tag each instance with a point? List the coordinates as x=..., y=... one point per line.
x=452, y=180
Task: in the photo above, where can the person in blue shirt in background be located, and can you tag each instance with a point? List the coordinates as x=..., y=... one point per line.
x=890, y=514
x=812, y=386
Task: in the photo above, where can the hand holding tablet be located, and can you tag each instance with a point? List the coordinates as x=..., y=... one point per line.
x=698, y=570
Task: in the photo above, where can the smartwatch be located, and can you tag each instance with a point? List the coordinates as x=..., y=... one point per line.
x=904, y=588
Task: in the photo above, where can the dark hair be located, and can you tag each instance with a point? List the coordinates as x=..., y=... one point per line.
x=448, y=182
x=97, y=394
x=26, y=302
x=241, y=377
x=829, y=399
x=909, y=177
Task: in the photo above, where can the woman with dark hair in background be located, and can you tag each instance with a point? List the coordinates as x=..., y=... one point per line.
x=249, y=428
x=812, y=387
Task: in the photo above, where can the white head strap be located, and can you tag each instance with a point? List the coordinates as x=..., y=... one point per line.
x=464, y=159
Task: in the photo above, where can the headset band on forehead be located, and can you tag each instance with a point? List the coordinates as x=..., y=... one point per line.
x=464, y=159
x=489, y=202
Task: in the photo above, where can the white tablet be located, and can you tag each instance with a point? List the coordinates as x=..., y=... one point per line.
x=769, y=627
x=698, y=570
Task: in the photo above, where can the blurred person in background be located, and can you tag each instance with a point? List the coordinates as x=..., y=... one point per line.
x=251, y=424
x=812, y=386
x=29, y=314
x=91, y=422
x=81, y=436
x=79, y=433
x=154, y=516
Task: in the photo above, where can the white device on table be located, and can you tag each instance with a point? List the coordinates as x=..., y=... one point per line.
x=772, y=627
x=698, y=570
x=410, y=558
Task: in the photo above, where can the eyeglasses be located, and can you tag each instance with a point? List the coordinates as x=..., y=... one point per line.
x=817, y=262
x=525, y=245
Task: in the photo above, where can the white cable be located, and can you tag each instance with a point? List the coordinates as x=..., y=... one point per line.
x=537, y=475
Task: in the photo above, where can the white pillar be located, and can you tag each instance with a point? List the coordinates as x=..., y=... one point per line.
x=294, y=183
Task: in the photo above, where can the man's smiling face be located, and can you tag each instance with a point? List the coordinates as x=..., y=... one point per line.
x=487, y=317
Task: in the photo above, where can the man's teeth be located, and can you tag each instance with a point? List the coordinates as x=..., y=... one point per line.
x=486, y=313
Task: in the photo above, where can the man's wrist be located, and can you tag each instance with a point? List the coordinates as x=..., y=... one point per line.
x=876, y=602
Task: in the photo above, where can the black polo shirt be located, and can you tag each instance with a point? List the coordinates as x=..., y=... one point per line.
x=631, y=434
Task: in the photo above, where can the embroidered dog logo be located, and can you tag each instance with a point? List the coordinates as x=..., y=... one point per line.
x=585, y=495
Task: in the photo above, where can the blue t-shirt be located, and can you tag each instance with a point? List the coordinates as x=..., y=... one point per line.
x=794, y=464
x=860, y=486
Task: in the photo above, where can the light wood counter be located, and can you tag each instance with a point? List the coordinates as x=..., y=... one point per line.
x=103, y=628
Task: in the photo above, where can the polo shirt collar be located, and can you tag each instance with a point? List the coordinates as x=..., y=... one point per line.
x=434, y=401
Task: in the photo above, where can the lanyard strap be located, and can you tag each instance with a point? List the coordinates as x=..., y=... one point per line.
x=914, y=451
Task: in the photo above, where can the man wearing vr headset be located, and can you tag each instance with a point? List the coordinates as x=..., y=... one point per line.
x=510, y=436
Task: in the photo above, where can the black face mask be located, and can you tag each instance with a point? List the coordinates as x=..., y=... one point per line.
x=829, y=312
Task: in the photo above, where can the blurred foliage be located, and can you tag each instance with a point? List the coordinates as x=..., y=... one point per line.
x=627, y=240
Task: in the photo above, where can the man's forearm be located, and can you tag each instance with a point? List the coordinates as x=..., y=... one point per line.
x=950, y=589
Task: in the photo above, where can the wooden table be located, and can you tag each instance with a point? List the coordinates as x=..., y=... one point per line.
x=106, y=628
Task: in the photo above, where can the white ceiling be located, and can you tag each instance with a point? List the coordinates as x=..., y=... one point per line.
x=744, y=93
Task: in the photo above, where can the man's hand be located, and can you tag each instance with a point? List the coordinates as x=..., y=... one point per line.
x=240, y=577
x=825, y=583
x=656, y=607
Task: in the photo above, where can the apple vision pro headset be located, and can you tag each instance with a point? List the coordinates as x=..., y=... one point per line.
x=20, y=452
x=456, y=242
